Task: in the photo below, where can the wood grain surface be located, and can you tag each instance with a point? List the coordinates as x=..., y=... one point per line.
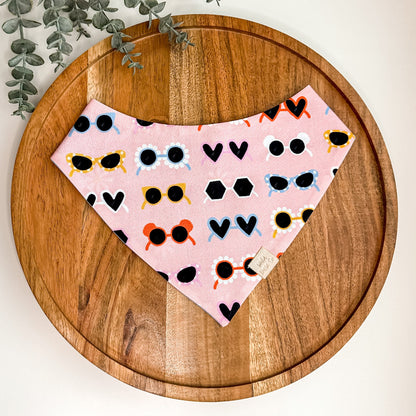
x=114, y=309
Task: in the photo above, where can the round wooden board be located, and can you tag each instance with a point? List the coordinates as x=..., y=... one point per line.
x=111, y=306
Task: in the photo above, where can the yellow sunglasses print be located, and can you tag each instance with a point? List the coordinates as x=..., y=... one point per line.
x=84, y=163
x=175, y=193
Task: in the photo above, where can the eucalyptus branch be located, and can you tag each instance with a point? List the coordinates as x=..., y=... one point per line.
x=78, y=14
x=101, y=21
x=63, y=27
x=24, y=55
x=152, y=8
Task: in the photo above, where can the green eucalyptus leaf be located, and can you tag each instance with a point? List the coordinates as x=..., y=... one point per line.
x=56, y=57
x=12, y=83
x=135, y=54
x=59, y=3
x=47, y=4
x=49, y=16
x=16, y=94
x=54, y=37
x=78, y=15
x=81, y=31
x=83, y=4
x=64, y=24
x=10, y=26
x=23, y=45
x=159, y=7
x=99, y=4
x=181, y=37
x=69, y=5
x=55, y=44
x=116, y=41
x=115, y=25
x=123, y=61
x=100, y=20
x=19, y=113
x=34, y=60
x=29, y=88
x=20, y=72
x=165, y=24
x=110, y=9
x=30, y=23
x=131, y=3
x=66, y=48
x=143, y=10
x=15, y=60
x=127, y=47
x=27, y=106
x=150, y=3
x=17, y=7
x=95, y=5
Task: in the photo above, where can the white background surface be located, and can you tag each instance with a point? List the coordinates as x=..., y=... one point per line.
x=373, y=44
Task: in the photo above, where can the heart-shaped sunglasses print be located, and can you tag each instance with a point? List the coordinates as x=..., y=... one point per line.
x=175, y=155
x=84, y=163
x=221, y=228
x=283, y=220
x=338, y=138
x=295, y=108
x=175, y=193
x=158, y=236
x=239, y=151
x=296, y=146
x=303, y=181
x=225, y=270
x=112, y=201
x=185, y=276
x=216, y=190
x=103, y=122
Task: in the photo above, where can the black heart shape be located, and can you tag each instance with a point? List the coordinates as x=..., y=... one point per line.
x=296, y=108
x=227, y=312
x=239, y=152
x=91, y=198
x=272, y=112
x=120, y=234
x=114, y=203
x=220, y=230
x=213, y=154
x=247, y=226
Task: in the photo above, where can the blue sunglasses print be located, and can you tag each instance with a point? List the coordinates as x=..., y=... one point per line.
x=303, y=181
x=103, y=122
x=222, y=227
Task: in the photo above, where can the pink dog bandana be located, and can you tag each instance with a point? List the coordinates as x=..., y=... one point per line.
x=200, y=204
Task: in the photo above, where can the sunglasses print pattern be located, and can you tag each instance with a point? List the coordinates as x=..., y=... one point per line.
x=242, y=188
x=113, y=201
x=296, y=146
x=175, y=193
x=103, y=122
x=185, y=276
x=296, y=108
x=84, y=163
x=196, y=203
x=213, y=153
x=175, y=155
x=222, y=227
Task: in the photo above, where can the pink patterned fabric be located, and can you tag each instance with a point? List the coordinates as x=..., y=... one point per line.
x=197, y=202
